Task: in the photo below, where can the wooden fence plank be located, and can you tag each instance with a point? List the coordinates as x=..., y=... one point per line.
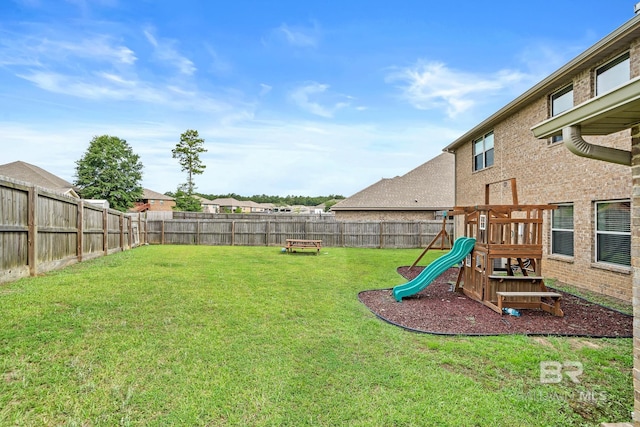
x=272, y=232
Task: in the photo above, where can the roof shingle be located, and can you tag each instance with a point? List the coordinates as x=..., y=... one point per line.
x=429, y=186
x=23, y=171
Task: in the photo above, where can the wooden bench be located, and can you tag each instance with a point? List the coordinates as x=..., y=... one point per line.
x=553, y=308
x=502, y=278
x=292, y=245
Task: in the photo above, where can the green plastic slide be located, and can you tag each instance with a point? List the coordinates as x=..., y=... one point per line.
x=461, y=247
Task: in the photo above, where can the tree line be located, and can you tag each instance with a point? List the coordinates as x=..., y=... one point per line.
x=111, y=171
x=278, y=200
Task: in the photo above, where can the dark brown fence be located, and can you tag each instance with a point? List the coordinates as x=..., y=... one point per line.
x=42, y=231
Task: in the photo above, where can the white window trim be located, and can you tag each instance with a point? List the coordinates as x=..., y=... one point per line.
x=484, y=151
x=596, y=233
x=597, y=71
x=568, y=88
x=573, y=231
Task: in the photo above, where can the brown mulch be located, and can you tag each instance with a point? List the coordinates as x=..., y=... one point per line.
x=438, y=310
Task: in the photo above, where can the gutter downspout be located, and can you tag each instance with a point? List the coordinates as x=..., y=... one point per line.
x=572, y=137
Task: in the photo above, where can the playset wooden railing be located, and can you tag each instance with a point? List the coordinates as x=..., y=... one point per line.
x=504, y=268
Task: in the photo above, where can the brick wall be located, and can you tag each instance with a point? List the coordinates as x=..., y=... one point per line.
x=549, y=173
x=635, y=265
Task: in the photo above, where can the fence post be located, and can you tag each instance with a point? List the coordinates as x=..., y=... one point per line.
x=146, y=229
x=233, y=233
x=130, y=228
x=380, y=228
x=105, y=228
x=197, y=232
x=80, y=228
x=162, y=234
x=32, y=233
x=121, y=222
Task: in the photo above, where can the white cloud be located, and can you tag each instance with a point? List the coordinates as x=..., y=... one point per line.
x=265, y=89
x=218, y=65
x=165, y=51
x=433, y=85
x=299, y=36
x=303, y=94
x=109, y=86
x=43, y=50
x=102, y=67
x=245, y=157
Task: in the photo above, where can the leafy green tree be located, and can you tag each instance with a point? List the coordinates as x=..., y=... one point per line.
x=328, y=204
x=186, y=202
x=110, y=170
x=188, y=152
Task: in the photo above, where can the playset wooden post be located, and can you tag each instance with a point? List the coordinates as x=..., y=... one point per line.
x=504, y=268
x=442, y=235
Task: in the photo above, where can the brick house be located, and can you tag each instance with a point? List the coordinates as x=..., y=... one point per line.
x=208, y=206
x=421, y=194
x=588, y=237
x=573, y=140
x=154, y=201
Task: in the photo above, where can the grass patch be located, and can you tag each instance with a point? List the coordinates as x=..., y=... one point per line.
x=187, y=335
x=605, y=300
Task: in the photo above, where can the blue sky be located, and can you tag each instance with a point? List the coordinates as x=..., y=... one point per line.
x=292, y=97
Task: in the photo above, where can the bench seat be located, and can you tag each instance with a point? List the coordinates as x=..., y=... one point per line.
x=503, y=277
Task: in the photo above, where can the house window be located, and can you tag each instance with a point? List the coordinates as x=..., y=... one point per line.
x=483, y=152
x=561, y=101
x=613, y=232
x=613, y=74
x=562, y=230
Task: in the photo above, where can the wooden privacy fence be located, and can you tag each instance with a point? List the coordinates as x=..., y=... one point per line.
x=275, y=230
x=41, y=230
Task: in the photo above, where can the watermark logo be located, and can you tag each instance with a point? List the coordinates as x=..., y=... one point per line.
x=553, y=372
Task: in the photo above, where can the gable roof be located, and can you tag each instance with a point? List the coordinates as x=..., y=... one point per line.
x=228, y=201
x=430, y=186
x=204, y=201
x=153, y=195
x=23, y=171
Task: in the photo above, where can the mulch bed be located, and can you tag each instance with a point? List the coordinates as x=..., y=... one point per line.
x=438, y=310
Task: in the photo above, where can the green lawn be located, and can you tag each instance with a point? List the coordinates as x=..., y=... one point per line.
x=186, y=335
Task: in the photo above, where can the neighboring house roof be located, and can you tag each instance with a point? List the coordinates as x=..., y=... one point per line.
x=227, y=201
x=430, y=186
x=153, y=195
x=606, y=47
x=204, y=201
x=35, y=175
x=256, y=205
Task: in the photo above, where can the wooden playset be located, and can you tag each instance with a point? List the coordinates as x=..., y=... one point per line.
x=504, y=268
